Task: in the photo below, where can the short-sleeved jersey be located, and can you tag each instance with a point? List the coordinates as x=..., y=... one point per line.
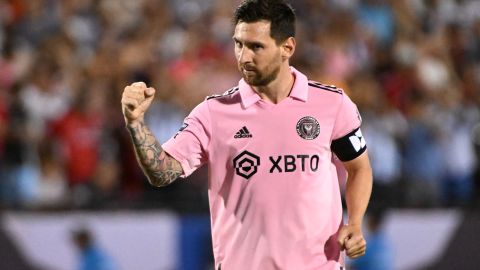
x=274, y=195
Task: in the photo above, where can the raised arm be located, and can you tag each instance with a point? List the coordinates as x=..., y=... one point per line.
x=160, y=168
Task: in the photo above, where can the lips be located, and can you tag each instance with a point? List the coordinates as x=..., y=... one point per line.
x=250, y=69
x=249, y=72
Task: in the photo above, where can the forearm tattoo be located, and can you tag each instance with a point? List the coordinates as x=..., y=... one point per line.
x=160, y=168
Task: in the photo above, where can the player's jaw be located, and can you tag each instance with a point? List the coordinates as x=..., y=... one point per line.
x=256, y=77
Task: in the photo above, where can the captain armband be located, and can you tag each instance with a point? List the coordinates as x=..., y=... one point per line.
x=349, y=146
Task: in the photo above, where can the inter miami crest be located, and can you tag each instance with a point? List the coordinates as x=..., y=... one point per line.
x=308, y=128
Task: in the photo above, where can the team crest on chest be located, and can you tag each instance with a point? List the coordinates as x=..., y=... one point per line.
x=308, y=128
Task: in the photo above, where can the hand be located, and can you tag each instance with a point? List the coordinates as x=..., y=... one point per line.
x=136, y=99
x=350, y=238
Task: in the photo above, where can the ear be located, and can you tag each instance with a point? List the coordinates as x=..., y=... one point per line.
x=288, y=48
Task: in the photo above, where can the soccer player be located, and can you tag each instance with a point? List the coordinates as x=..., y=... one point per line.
x=269, y=144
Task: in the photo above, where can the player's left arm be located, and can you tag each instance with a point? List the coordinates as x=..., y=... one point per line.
x=357, y=196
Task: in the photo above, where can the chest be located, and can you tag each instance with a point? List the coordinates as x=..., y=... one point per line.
x=304, y=129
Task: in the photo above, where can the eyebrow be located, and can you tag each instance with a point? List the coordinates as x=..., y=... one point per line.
x=249, y=43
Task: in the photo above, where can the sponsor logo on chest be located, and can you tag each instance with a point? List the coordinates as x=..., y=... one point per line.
x=247, y=164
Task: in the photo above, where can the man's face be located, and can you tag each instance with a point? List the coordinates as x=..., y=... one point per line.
x=258, y=56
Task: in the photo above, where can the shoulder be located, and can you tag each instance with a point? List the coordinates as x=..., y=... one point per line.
x=330, y=94
x=324, y=88
x=226, y=95
x=216, y=102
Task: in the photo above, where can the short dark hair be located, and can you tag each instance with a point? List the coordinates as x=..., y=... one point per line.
x=280, y=15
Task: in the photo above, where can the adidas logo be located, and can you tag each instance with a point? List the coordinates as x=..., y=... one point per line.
x=243, y=133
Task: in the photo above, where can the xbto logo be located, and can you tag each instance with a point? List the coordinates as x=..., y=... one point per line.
x=292, y=163
x=246, y=164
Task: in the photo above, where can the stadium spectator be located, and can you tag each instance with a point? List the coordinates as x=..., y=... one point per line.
x=91, y=256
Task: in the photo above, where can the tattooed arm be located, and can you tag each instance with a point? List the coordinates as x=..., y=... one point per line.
x=160, y=168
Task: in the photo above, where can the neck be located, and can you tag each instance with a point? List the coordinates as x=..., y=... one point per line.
x=278, y=89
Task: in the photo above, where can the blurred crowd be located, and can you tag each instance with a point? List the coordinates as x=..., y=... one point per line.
x=412, y=67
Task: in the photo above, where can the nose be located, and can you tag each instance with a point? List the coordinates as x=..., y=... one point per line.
x=244, y=55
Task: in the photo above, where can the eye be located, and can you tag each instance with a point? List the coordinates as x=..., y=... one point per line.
x=238, y=44
x=257, y=47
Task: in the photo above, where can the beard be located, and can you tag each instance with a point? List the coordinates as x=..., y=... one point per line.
x=259, y=78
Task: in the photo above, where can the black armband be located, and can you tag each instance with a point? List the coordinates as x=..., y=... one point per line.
x=349, y=146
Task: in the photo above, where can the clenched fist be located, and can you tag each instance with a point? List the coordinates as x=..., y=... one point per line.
x=136, y=99
x=352, y=241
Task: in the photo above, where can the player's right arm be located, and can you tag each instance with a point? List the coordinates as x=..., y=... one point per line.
x=160, y=168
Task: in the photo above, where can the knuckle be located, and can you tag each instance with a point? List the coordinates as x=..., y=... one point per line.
x=130, y=90
x=139, y=85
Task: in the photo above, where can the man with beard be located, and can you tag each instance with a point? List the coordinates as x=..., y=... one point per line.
x=270, y=145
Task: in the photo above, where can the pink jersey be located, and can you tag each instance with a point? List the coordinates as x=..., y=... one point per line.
x=273, y=189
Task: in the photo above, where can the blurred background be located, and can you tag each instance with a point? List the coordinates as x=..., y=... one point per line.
x=73, y=197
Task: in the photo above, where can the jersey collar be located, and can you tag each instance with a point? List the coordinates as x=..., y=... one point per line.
x=299, y=90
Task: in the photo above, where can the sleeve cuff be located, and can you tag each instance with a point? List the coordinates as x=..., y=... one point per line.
x=187, y=169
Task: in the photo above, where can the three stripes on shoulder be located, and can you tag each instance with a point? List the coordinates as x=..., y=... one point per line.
x=331, y=88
